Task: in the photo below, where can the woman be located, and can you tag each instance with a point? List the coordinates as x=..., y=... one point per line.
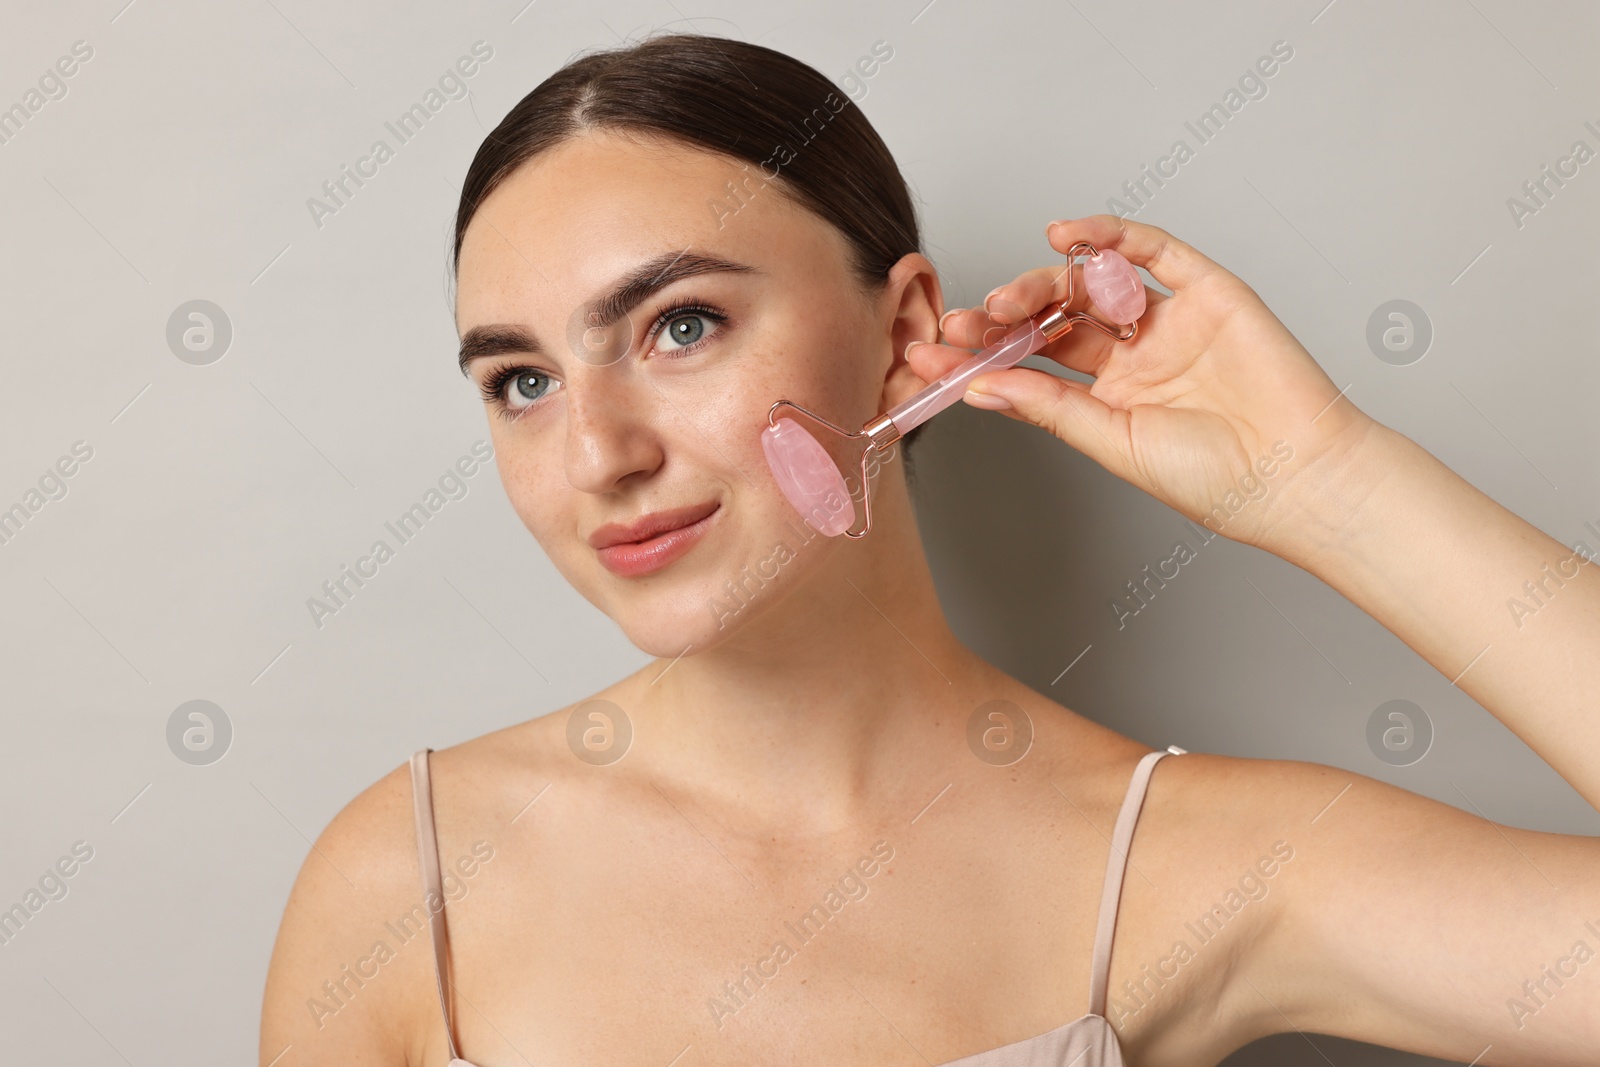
x=790, y=837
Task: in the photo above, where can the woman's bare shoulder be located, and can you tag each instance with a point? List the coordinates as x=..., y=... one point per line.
x=1220, y=843
x=488, y=780
x=1224, y=844
x=337, y=982
x=1194, y=794
x=351, y=972
x=1215, y=797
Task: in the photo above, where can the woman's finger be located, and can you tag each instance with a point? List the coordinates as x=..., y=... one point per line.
x=1011, y=302
x=1170, y=261
x=1028, y=292
x=1086, y=349
x=1063, y=407
x=932, y=361
x=1083, y=348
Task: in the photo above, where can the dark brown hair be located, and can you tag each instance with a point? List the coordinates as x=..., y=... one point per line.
x=741, y=100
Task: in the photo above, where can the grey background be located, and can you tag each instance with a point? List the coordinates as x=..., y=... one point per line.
x=220, y=497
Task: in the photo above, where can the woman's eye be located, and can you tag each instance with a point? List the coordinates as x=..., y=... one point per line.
x=514, y=390
x=684, y=329
x=525, y=388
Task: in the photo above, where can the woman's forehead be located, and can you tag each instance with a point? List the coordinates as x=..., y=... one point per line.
x=571, y=221
x=605, y=187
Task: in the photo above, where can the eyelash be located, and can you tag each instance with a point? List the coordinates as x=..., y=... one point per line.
x=494, y=387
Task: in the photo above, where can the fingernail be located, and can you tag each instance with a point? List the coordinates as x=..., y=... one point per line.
x=906, y=353
x=999, y=307
x=943, y=318
x=1057, y=222
x=987, y=401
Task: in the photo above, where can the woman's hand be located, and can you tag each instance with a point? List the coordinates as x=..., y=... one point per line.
x=1213, y=381
x=1199, y=409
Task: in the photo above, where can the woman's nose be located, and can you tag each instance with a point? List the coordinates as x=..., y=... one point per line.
x=611, y=428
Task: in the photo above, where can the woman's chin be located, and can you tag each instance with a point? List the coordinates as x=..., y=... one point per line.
x=691, y=625
x=671, y=636
x=705, y=612
x=698, y=601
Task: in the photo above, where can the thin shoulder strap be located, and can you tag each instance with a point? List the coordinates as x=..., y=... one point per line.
x=432, y=889
x=1116, y=867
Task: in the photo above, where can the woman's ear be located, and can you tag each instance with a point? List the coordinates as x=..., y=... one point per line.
x=911, y=303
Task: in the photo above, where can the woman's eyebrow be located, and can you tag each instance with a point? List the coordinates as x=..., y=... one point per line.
x=629, y=291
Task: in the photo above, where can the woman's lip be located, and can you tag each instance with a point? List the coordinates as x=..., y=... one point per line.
x=635, y=559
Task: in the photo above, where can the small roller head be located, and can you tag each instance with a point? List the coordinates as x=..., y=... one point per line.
x=808, y=477
x=1114, y=286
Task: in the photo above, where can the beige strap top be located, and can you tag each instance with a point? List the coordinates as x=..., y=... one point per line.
x=1087, y=1041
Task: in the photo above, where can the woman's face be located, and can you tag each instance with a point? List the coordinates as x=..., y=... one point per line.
x=598, y=423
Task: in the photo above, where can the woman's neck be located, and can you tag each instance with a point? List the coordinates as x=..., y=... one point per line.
x=820, y=706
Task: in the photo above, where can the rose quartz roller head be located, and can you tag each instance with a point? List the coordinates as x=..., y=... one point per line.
x=813, y=482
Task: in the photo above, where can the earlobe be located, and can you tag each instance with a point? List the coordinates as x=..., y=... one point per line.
x=901, y=384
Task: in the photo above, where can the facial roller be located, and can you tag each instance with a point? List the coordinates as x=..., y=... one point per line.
x=814, y=484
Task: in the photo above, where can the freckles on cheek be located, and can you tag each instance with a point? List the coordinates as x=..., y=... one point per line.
x=535, y=487
x=833, y=383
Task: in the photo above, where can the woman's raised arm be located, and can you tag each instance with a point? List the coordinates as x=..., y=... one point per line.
x=1215, y=399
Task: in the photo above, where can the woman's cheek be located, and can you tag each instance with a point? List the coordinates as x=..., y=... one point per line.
x=540, y=506
x=724, y=405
